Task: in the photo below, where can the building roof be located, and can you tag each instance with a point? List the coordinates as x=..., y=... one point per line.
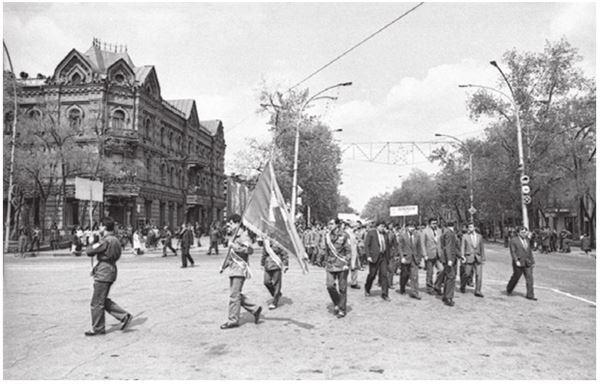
x=212, y=126
x=101, y=59
x=183, y=105
x=142, y=72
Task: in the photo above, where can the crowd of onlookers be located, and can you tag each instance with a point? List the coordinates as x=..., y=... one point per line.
x=547, y=240
x=148, y=237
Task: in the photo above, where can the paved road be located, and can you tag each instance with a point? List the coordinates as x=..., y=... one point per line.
x=176, y=335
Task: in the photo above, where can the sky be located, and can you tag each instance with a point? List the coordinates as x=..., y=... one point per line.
x=221, y=54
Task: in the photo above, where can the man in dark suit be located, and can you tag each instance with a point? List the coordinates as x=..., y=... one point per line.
x=410, y=259
x=377, y=250
x=472, y=256
x=522, y=263
x=107, y=252
x=449, y=258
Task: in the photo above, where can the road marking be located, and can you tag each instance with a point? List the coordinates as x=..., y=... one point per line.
x=552, y=289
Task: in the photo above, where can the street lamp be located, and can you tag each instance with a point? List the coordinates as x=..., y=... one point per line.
x=462, y=144
x=519, y=138
x=296, y=143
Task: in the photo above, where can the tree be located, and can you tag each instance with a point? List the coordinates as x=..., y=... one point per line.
x=344, y=205
x=556, y=105
x=319, y=157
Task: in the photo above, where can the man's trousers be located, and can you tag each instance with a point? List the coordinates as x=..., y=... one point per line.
x=338, y=295
x=237, y=300
x=101, y=303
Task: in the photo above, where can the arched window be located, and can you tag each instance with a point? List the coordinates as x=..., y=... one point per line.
x=118, y=120
x=190, y=148
x=76, y=78
x=171, y=176
x=148, y=168
x=162, y=136
x=74, y=116
x=170, y=144
x=119, y=78
x=34, y=114
x=162, y=174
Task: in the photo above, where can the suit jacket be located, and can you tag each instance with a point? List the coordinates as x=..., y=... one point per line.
x=107, y=252
x=519, y=253
x=431, y=245
x=472, y=251
x=372, y=246
x=450, y=247
x=410, y=250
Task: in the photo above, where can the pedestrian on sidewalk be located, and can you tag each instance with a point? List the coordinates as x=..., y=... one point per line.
x=22, y=248
x=167, y=239
x=239, y=270
x=214, y=235
x=187, y=240
x=137, y=243
x=107, y=252
x=54, y=236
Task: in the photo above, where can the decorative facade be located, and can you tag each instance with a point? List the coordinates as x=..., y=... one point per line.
x=177, y=160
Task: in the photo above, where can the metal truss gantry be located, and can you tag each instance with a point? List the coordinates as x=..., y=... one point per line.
x=392, y=153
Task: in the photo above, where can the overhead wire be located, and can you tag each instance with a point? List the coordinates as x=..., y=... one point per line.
x=338, y=57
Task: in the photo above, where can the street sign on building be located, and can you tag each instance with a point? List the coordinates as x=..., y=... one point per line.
x=89, y=190
x=403, y=211
x=472, y=210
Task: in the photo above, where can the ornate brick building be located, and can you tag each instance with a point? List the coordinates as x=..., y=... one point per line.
x=177, y=159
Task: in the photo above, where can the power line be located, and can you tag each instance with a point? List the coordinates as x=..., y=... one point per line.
x=339, y=57
x=356, y=45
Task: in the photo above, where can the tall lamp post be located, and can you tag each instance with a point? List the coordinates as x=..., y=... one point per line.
x=511, y=99
x=12, y=152
x=472, y=210
x=316, y=96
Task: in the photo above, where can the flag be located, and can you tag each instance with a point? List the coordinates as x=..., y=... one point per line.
x=267, y=216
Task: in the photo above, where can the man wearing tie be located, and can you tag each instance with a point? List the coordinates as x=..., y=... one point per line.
x=450, y=255
x=376, y=247
x=472, y=255
x=522, y=262
x=410, y=259
x=431, y=251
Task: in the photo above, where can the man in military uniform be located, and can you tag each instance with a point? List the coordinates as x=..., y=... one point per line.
x=274, y=259
x=107, y=252
x=337, y=265
x=237, y=262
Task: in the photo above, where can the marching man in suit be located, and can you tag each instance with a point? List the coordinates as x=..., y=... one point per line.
x=450, y=255
x=337, y=265
x=432, y=252
x=377, y=249
x=472, y=256
x=274, y=260
x=410, y=260
x=522, y=263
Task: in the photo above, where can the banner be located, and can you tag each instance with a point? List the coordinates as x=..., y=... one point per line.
x=89, y=190
x=267, y=216
x=403, y=211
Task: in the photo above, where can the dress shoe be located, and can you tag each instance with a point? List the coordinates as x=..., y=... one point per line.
x=340, y=314
x=228, y=325
x=438, y=291
x=415, y=296
x=449, y=302
x=386, y=298
x=462, y=290
x=355, y=286
x=367, y=294
x=532, y=298
x=272, y=306
x=91, y=333
x=257, y=314
x=508, y=293
x=402, y=291
x=126, y=321
x=479, y=295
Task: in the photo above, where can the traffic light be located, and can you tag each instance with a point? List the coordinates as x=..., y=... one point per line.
x=525, y=189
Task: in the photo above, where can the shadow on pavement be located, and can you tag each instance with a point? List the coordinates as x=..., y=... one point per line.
x=303, y=325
